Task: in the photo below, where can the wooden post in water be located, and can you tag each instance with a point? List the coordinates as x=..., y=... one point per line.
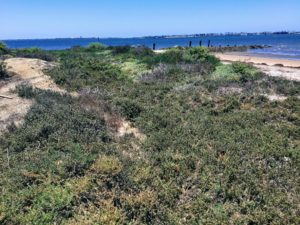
x=208, y=45
x=190, y=44
x=200, y=43
x=154, y=46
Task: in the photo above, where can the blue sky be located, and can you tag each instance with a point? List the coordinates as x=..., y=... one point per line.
x=129, y=18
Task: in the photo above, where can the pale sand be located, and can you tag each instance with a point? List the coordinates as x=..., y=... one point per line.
x=159, y=51
x=13, y=109
x=290, y=69
x=233, y=57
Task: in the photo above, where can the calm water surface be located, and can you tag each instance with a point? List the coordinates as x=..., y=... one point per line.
x=283, y=46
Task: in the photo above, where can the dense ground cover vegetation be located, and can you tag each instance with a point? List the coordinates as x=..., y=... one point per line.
x=216, y=151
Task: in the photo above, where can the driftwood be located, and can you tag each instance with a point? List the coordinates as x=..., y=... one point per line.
x=2, y=96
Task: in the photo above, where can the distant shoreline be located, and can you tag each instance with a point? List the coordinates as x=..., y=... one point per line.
x=163, y=36
x=285, y=46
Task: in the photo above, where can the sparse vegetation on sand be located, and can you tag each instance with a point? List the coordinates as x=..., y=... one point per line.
x=215, y=149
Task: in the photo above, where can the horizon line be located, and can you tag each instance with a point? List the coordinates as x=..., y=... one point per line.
x=153, y=36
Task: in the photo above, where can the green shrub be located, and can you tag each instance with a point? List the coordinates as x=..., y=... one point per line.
x=3, y=70
x=121, y=49
x=35, y=53
x=25, y=91
x=3, y=49
x=246, y=71
x=45, y=205
x=225, y=72
x=196, y=54
x=200, y=54
x=142, y=51
x=241, y=68
x=176, y=55
x=171, y=56
x=96, y=47
x=79, y=71
x=238, y=72
x=130, y=109
x=77, y=48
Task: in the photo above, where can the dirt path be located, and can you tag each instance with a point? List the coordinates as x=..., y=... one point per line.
x=13, y=109
x=31, y=71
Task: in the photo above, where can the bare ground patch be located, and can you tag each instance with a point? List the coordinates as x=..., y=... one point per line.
x=30, y=71
x=284, y=72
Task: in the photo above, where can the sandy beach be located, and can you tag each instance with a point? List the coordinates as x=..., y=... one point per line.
x=243, y=57
x=287, y=69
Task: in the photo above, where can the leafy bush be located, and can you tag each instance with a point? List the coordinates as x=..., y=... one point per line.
x=239, y=72
x=78, y=71
x=129, y=109
x=3, y=49
x=3, y=70
x=95, y=47
x=183, y=56
x=196, y=54
x=246, y=71
x=121, y=49
x=200, y=54
x=35, y=53
x=171, y=56
x=25, y=91
x=47, y=206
